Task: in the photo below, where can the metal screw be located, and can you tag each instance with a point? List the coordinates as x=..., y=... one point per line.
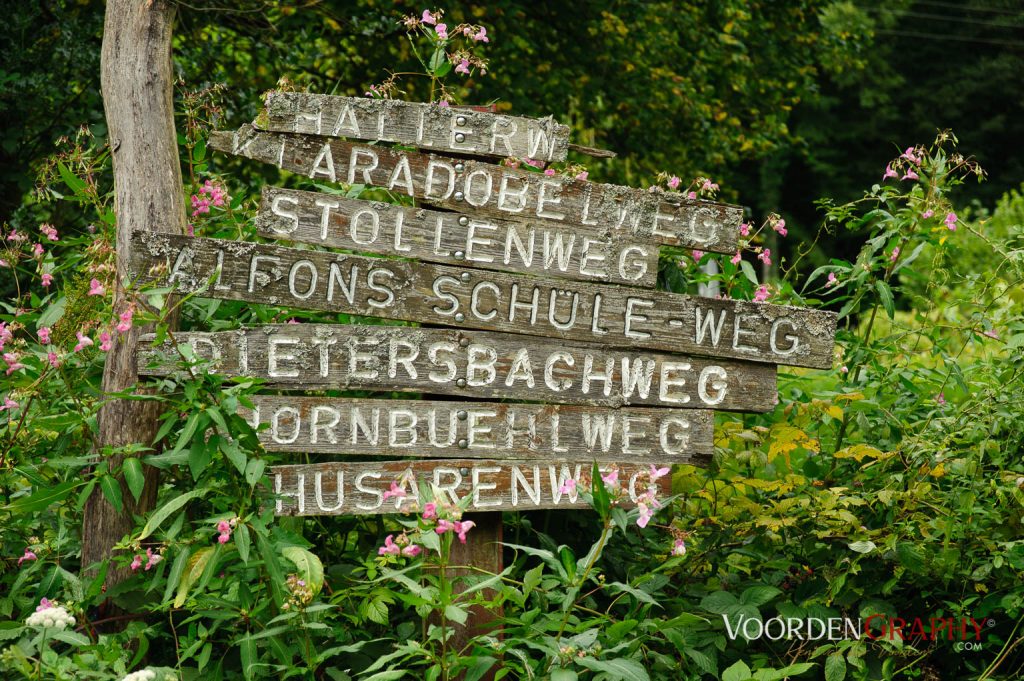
x=462, y=445
x=463, y=342
x=461, y=383
x=459, y=317
x=461, y=415
x=465, y=276
x=459, y=137
x=465, y=471
x=459, y=196
x=463, y=221
x=459, y=167
x=460, y=255
x=460, y=120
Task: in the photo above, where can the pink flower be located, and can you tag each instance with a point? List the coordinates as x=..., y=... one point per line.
x=390, y=548
x=44, y=604
x=761, y=294
x=429, y=510
x=765, y=256
x=673, y=182
x=991, y=333
x=394, y=491
x=411, y=551
x=549, y=172
x=463, y=67
x=481, y=36
x=28, y=556
x=940, y=399
x=428, y=17
x=679, y=548
x=152, y=559
x=96, y=288
x=611, y=478
x=443, y=104
x=910, y=175
x=568, y=486
x=48, y=231
x=12, y=362
x=462, y=527
x=534, y=162
x=51, y=357
x=444, y=525
x=708, y=186
x=9, y=404
x=691, y=195
x=927, y=214
x=126, y=320
x=136, y=562
x=106, y=342
x=744, y=229
x=889, y=172
x=14, y=236
x=583, y=175
x=951, y=220
x=843, y=369
x=224, y=527
x=83, y=341
x=697, y=255
x=645, y=514
x=895, y=254
x=37, y=250
x=47, y=279
x=190, y=229
x=780, y=227
x=735, y=260
x=910, y=155
x=442, y=31
x=657, y=473
x=832, y=281
x=44, y=335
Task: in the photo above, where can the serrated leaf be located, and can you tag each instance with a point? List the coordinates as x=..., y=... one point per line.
x=706, y=663
x=758, y=595
x=718, y=602
x=308, y=565
x=623, y=670
x=243, y=541
x=112, y=492
x=748, y=272
x=42, y=498
x=835, y=667
x=133, y=476
x=737, y=672
x=885, y=295
x=193, y=571
x=167, y=509
x=862, y=546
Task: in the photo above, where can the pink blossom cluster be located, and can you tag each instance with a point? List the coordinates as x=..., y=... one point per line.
x=29, y=556
x=152, y=559
x=225, y=528
x=210, y=194
x=909, y=161
x=402, y=547
x=438, y=517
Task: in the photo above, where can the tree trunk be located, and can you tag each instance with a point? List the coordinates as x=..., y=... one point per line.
x=138, y=98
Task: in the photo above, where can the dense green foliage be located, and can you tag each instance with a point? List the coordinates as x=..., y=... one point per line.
x=892, y=485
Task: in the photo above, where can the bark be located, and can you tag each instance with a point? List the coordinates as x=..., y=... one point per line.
x=137, y=81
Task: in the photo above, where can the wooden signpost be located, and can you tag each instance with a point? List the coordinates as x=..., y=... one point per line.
x=547, y=347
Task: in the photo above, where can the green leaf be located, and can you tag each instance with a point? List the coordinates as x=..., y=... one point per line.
x=254, y=471
x=233, y=454
x=718, y=602
x=480, y=666
x=602, y=500
x=623, y=670
x=42, y=498
x=112, y=491
x=247, y=651
x=167, y=509
x=706, y=663
x=309, y=566
x=199, y=456
x=174, y=577
x=738, y=672
x=748, y=272
x=456, y=614
x=758, y=595
x=133, y=475
x=70, y=179
x=835, y=667
x=243, y=541
x=885, y=294
x=193, y=571
x=564, y=675
x=862, y=546
x=531, y=579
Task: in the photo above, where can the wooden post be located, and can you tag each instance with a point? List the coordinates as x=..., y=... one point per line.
x=137, y=81
x=483, y=551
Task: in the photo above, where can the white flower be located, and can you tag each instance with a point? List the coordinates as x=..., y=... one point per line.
x=55, y=617
x=141, y=675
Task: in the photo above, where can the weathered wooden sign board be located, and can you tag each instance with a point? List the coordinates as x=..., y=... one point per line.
x=539, y=306
x=471, y=364
x=338, y=488
x=495, y=191
x=559, y=352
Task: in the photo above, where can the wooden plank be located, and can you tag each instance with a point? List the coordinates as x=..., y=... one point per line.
x=496, y=191
x=313, y=489
x=615, y=316
x=493, y=430
x=425, y=126
x=471, y=364
x=582, y=253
